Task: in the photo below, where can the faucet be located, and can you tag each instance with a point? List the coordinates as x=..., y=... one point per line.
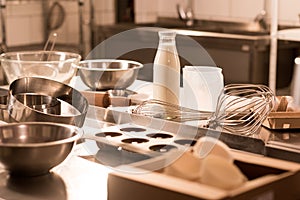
x=261, y=18
x=186, y=15
x=3, y=45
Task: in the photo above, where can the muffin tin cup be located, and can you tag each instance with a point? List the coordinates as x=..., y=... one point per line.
x=140, y=139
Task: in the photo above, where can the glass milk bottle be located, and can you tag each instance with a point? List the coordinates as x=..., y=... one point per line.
x=166, y=69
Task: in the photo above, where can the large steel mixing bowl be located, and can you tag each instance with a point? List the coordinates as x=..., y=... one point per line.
x=54, y=65
x=71, y=108
x=33, y=148
x=106, y=74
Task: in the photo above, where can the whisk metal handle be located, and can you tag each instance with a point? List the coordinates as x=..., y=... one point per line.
x=164, y=110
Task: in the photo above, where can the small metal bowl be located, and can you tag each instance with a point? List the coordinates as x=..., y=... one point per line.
x=120, y=97
x=103, y=74
x=72, y=104
x=43, y=103
x=33, y=148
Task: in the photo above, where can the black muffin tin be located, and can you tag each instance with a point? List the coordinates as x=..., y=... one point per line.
x=146, y=142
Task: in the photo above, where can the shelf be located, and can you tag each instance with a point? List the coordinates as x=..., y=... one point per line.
x=289, y=34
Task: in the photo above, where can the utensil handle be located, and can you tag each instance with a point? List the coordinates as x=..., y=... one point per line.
x=121, y=145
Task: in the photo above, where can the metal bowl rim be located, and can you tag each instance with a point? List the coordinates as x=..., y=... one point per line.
x=138, y=64
x=75, y=55
x=78, y=132
x=12, y=96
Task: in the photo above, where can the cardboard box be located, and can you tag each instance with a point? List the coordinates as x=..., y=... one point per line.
x=285, y=115
x=268, y=179
x=283, y=120
x=96, y=98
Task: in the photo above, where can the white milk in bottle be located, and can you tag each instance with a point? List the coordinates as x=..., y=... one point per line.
x=166, y=69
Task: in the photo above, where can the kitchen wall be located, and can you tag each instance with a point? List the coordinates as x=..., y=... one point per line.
x=232, y=10
x=25, y=20
x=24, y=23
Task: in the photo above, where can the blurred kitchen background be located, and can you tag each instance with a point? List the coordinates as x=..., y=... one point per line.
x=80, y=25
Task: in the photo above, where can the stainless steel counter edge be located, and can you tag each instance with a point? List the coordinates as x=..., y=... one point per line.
x=195, y=33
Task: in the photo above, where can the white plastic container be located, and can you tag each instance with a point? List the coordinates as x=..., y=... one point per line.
x=202, y=86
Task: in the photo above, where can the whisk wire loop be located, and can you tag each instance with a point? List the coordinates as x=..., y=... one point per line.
x=241, y=109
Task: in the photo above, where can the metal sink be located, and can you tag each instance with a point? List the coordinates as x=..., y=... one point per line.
x=249, y=29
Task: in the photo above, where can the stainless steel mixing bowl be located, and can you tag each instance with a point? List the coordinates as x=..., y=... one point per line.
x=4, y=115
x=106, y=74
x=43, y=103
x=33, y=148
x=73, y=105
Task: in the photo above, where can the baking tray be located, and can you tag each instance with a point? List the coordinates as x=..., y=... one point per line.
x=257, y=144
x=251, y=144
x=128, y=143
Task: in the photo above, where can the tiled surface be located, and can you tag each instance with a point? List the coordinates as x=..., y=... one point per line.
x=168, y=8
x=234, y=10
x=36, y=29
x=145, y=18
x=146, y=11
x=212, y=8
x=246, y=9
x=105, y=18
x=72, y=28
x=25, y=20
x=30, y=8
x=25, y=23
x=288, y=12
x=18, y=31
x=101, y=5
x=147, y=6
